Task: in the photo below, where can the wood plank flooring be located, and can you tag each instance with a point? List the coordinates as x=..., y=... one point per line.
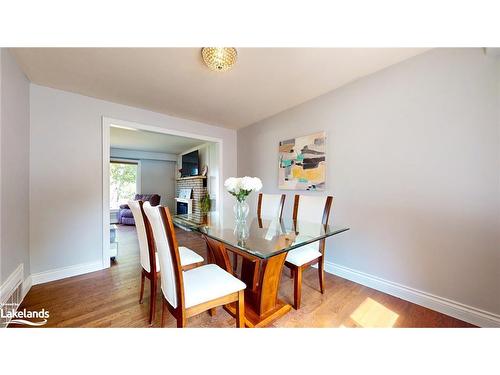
x=109, y=298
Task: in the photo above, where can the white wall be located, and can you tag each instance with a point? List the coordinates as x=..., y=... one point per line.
x=14, y=167
x=158, y=177
x=66, y=172
x=414, y=165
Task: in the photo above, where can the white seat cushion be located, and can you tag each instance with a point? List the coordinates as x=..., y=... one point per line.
x=206, y=283
x=303, y=254
x=187, y=255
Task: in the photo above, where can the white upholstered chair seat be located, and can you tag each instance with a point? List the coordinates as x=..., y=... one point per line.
x=209, y=282
x=303, y=254
x=187, y=255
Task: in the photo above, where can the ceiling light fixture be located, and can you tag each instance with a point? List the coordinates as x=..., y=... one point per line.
x=219, y=59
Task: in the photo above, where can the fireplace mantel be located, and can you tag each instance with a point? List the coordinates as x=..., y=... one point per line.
x=191, y=178
x=184, y=200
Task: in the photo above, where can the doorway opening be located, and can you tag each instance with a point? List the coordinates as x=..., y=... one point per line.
x=153, y=163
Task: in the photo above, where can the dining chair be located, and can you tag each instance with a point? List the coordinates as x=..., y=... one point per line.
x=312, y=209
x=269, y=206
x=148, y=257
x=191, y=292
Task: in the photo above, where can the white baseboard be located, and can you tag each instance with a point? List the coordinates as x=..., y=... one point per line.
x=455, y=309
x=62, y=273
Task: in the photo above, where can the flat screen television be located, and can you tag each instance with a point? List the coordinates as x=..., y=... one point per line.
x=190, y=164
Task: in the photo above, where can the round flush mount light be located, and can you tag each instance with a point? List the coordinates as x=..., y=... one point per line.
x=219, y=59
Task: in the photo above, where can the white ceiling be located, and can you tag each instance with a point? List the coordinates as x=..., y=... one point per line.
x=141, y=140
x=175, y=81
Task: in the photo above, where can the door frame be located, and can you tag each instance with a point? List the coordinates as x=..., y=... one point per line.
x=107, y=123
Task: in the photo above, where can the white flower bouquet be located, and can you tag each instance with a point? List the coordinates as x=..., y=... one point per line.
x=242, y=187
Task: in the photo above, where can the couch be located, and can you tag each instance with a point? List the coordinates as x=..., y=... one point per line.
x=125, y=215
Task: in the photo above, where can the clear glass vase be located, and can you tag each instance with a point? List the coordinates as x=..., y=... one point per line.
x=241, y=210
x=241, y=232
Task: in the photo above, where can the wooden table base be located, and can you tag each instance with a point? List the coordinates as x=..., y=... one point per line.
x=262, y=277
x=253, y=320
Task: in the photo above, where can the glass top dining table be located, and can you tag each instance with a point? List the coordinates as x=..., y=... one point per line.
x=262, y=238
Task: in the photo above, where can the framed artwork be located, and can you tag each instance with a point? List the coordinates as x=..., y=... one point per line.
x=302, y=163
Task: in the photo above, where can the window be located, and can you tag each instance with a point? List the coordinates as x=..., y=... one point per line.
x=124, y=182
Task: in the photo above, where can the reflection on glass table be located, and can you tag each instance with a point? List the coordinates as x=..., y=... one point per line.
x=262, y=238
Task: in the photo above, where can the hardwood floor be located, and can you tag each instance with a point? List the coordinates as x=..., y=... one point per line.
x=110, y=298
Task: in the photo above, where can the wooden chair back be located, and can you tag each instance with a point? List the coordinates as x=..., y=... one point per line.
x=270, y=206
x=218, y=254
x=315, y=209
x=172, y=283
x=147, y=249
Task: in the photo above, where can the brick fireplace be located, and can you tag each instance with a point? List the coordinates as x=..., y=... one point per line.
x=198, y=186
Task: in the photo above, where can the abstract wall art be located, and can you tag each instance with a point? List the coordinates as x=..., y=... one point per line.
x=302, y=163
